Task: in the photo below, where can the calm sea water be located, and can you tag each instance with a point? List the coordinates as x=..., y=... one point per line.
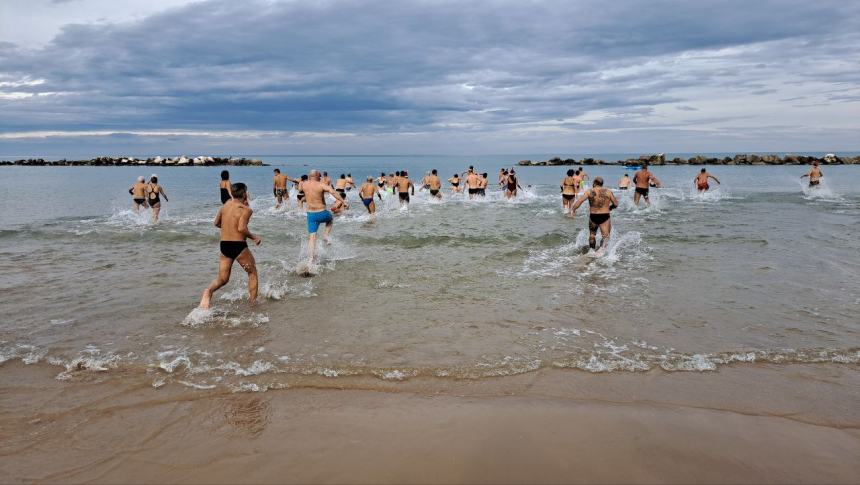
x=759, y=270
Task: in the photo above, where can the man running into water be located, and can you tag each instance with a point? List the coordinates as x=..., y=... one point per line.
x=600, y=202
x=232, y=219
x=473, y=183
x=643, y=179
x=582, y=177
x=512, y=184
x=300, y=193
x=701, y=181
x=434, y=184
x=568, y=187
x=403, y=185
x=341, y=186
x=138, y=193
x=814, y=175
x=624, y=182
x=455, y=184
x=366, y=192
x=279, y=182
x=482, y=189
x=350, y=184
x=315, y=191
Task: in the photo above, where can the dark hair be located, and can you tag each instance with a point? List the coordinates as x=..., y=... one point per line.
x=404, y=174
x=382, y=174
x=397, y=173
x=484, y=174
x=349, y=175
x=577, y=172
x=225, y=175
x=433, y=171
x=153, y=180
x=456, y=175
x=597, y=182
x=570, y=173
x=342, y=176
x=239, y=190
x=305, y=177
x=644, y=165
x=703, y=170
x=471, y=167
x=277, y=170
x=325, y=174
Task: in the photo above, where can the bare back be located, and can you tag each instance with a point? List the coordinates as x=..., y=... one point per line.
x=642, y=178
x=600, y=200
x=233, y=218
x=315, y=194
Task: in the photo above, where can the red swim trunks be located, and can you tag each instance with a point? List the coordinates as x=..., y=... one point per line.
x=703, y=186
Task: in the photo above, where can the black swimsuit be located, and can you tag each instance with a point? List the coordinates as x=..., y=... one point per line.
x=232, y=249
x=225, y=195
x=598, y=219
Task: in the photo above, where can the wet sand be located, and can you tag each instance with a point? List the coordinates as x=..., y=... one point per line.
x=746, y=423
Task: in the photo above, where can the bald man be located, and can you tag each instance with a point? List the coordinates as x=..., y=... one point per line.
x=317, y=214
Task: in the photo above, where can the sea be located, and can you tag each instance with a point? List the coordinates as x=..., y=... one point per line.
x=761, y=269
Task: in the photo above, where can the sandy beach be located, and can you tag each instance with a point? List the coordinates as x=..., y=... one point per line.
x=742, y=424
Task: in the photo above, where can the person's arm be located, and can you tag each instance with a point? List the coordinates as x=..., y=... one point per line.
x=715, y=179
x=217, y=221
x=161, y=189
x=243, y=227
x=412, y=186
x=582, y=198
x=378, y=193
x=612, y=200
x=806, y=174
x=657, y=182
x=230, y=189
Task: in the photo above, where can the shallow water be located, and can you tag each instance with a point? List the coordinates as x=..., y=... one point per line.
x=760, y=269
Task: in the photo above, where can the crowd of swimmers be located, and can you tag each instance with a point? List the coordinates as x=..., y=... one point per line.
x=311, y=189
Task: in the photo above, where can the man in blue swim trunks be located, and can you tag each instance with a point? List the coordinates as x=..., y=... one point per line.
x=366, y=192
x=317, y=214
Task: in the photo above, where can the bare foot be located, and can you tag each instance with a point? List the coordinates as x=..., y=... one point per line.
x=204, y=301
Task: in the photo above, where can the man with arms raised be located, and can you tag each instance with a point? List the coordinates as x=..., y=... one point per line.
x=315, y=191
x=701, y=181
x=232, y=219
x=643, y=179
x=600, y=202
x=814, y=175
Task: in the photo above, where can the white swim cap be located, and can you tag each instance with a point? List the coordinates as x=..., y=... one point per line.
x=153, y=176
x=140, y=179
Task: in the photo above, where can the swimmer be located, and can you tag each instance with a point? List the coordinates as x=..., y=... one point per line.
x=482, y=188
x=503, y=175
x=326, y=180
x=434, y=184
x=425, y=182
x=600, y=202
x=455, y=184
x=701, y=181
x=389, y=183
x=350, y=184
x=583, y=176
x=138, y=194
x=225, y=187
x=366, y=192
x=300, y=193
x=153, y=197
x=643, y=179
x=381, y=181
x=624, y=182
x=814, y=175
x=340, y=187
x=473, y=183
x=568, y=191
x=511, y=185
x=317, y=214
x=403, y=185
x=232, y=219
x=279, y=181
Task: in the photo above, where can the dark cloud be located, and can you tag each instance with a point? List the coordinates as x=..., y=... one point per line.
x=374, y=66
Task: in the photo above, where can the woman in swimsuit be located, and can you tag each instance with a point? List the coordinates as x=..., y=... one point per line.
x=225, y=187
x=512, y=184
x=568, y=191
x=300, y=194
x=380, y=181
x=455, y=184
x=153, y=196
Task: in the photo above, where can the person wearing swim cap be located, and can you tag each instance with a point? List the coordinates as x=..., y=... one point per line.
x=138, y=193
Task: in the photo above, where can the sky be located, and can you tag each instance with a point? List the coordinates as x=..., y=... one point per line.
x=147, y=77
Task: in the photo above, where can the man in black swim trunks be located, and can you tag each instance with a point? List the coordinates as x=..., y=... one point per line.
x=814, y=175
x=403, y=185
x=434, y=184
x=600, y=202
x=644, y=179
x=232, y=219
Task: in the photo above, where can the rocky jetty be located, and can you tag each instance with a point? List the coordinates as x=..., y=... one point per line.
x=181, y=161
x=741, y=159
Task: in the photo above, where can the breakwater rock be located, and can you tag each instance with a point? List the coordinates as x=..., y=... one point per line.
x=741, y=159
x=180, y=161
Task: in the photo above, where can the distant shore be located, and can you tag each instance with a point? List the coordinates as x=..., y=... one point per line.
x=182, y=161
x=660, y=159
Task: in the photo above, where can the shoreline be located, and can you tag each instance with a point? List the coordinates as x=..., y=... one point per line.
x=758, y=423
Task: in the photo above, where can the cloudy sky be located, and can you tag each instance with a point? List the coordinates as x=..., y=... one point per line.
x=89, y=77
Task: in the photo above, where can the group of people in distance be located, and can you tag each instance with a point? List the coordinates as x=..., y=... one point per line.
x=147, y=194
x=233, y=217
